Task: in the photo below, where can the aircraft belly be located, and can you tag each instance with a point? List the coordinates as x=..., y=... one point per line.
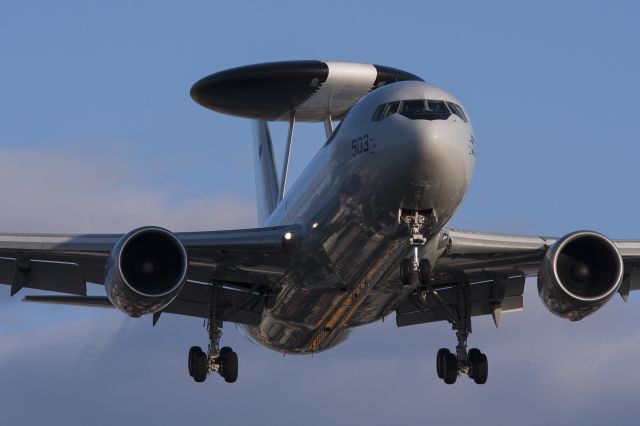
x=347, y=272
x=338, y=284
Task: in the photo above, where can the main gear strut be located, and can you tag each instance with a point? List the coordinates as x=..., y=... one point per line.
x=473, y=362
x=223, y=361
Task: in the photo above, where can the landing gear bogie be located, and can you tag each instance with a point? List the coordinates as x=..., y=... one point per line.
x=449, y=366
x=223, y=361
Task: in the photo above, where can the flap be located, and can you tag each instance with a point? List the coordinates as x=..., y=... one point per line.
x=42, y=275
x=238, y=306
x=487, y=298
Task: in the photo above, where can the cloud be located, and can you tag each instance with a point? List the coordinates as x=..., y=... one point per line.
x=106, y=369
x=52, y=190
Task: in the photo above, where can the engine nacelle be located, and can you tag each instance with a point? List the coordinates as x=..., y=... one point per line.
x=145, y=271
x=579, y=274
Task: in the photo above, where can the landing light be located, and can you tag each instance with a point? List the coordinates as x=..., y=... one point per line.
x=314, y=225
x=288, y=236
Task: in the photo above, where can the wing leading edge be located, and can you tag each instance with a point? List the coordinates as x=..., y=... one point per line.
x=246, y=262
x=492, y=268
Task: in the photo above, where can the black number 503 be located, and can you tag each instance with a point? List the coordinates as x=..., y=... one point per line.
x=360, y=145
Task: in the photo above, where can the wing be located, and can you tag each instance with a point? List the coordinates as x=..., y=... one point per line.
x=492, y=268
x=247, y=262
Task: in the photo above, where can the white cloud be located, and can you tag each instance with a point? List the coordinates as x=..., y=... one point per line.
x=564, y=372
x=48, y=190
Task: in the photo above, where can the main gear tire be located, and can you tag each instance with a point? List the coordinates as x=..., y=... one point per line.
x=193, y=351
x=200, y=367
x=228, y=364
x=480, y=369
x=450, y=368
x=440, y=361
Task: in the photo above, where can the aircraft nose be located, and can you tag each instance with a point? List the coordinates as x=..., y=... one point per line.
x=441, y=163
x=437, y=147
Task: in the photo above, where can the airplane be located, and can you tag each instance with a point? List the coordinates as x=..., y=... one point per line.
x=361, y=234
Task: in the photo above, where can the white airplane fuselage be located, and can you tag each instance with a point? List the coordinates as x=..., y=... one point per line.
x=348, y=200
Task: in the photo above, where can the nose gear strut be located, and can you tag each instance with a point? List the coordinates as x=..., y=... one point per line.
x=415, y=220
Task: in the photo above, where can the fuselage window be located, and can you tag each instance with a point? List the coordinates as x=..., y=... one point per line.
x=457, y=110
x=377, y=115
x=392, y=108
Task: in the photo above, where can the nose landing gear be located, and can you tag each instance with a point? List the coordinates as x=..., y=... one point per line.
x=223, y=361
x=415, y=221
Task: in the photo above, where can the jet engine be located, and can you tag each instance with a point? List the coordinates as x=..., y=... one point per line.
x=579, y=274
x=145, y=271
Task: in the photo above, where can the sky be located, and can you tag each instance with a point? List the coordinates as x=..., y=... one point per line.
x=98, y=134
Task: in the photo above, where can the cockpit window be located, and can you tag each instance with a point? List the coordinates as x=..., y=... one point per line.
x=413, y=107
x=440, y=108
x=418, y=109
x=425, y=110
x=392, y=108
x=377, y=115
x=457, y=111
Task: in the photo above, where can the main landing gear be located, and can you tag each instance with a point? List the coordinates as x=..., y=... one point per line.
x=448, y=365
x=223, y=361
x=473, y=363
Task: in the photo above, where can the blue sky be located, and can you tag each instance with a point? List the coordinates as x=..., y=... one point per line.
x=98, y=134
